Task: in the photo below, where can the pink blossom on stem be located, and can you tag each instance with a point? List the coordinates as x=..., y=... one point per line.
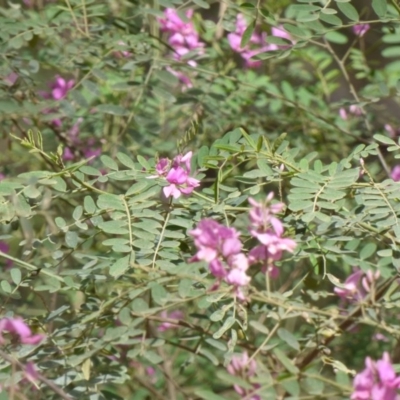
x=60, y=87
x=221, y=247
x=17, y=327
x=354, y=109
x=182, y=37
x=268, y=230
x=393, y=132
x=242, y=367
x=357, y=285
x=177, y=174
x=257, y=43
x=361, y=29
x=5, y=248
x=395, y=173
x=378, y=381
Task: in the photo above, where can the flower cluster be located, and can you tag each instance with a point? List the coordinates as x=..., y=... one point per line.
x=177, y=174
x=378, y=381
x=182, y=37
x=18, y=328
x=353, y=110
x=242, y=367
x=268, y=230
x=59, y=90
x=357, y=285
x=257, y=43
x=221, y=247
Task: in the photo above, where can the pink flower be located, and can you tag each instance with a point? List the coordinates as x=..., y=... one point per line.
x=378, y=381
x=353, y=109
x=395, y=174
x=60, y=87
x=177, y=315
x=176, y=173
x=5, y=248
x=393, y=132
x=31, y=373
x=18, y=327
x=357, y=285
x=268, y=230
x=182, y=37
x=257, y=43
x=241, y=366
x=221, y=247
x=361, y=29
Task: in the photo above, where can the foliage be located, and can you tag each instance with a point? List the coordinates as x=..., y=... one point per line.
x=102, y=206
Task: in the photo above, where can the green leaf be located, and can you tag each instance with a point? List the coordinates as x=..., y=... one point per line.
x=296, y=31
x=112, y=109
x=109, y=162
x=349, y=11
x=286, y=362
x=207, y=395
x=89, y=205
x=126, y=160
x=120, y=266
x=247, y=34
x=380, y=7
x=15, y=275
x=336, y=37
x=331, y=19
x=6, y=287
x=110, y=201
x=384, y=139
x=114, y=227
x=227, y=324
x=288, y=338
x=159, y=294
x=22, y=208
x=71, y=239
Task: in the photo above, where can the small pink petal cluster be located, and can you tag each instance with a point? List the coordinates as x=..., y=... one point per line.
x=177, y=174
x=378, y=381
x=18, y=328
x=268, y=230
x=257, y=40
x=183, y=38
x=393, y=132
x=361, y=29
x=177, y=315
x=395, y=173
x=357, y=285
x=242, y=367
x=59, y=88
x=221, y=247
x=353, y=110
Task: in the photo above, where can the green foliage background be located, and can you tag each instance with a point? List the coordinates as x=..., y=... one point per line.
x=98, y=254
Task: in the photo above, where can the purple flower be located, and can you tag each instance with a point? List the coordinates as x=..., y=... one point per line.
x=268, y=230
x=353, y=109
x=60, y=87
x=395, y=174
x=242, y=367
x=357, y=285
x=17, y=327
x=378, y=381
x=221, y=247
x=257, y=43
x=176, y=173
x=361, y=29
x=182, y=37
